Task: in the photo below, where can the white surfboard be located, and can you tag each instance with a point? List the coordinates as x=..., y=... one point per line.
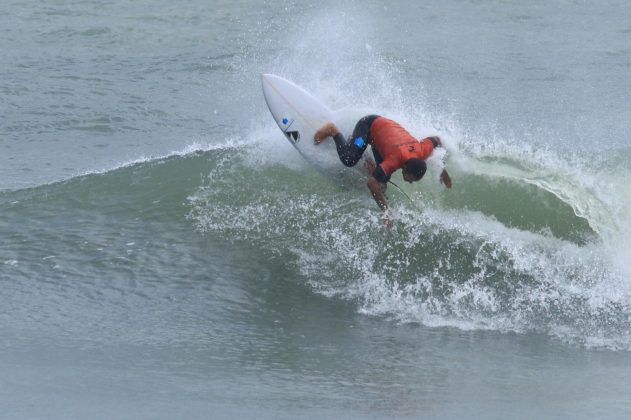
x=299, y=115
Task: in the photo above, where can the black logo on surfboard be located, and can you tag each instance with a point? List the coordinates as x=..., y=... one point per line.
x=293, y=136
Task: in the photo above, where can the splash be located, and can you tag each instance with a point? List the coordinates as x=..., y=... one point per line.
x=440, y=266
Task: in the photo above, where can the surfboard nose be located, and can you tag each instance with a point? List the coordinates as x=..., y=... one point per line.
x=266, y=80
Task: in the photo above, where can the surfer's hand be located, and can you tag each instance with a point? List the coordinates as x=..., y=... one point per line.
x=445, y=179
x=436, y=141
x=389, y=223
x=387, y=218
x=370, y=166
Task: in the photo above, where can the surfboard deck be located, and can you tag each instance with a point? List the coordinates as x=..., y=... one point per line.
x=299, y=114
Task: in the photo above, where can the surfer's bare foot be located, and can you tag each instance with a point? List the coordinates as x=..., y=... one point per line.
x=327, y=130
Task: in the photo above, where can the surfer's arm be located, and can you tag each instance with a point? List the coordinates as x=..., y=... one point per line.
x=370, y=166
x=445, y=178
x=377, y=190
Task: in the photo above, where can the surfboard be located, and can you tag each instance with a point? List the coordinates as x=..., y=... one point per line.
x=299, y=114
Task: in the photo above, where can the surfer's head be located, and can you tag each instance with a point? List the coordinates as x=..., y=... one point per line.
x=414, y=169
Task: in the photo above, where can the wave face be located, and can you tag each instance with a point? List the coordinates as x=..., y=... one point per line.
x=528, y=240
x=515, y=246
x=503, y=250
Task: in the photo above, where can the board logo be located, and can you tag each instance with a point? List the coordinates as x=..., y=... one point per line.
x=293, y=136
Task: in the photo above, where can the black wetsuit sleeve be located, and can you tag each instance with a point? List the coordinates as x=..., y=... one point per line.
x=380, y=175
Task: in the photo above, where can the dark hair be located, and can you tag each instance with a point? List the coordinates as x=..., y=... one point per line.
x=416, y=167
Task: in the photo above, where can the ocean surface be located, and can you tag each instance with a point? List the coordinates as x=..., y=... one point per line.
x=165, y=252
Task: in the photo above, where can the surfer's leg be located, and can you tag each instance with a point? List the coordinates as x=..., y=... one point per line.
x=348, y=151
x=362, y=128
x=351, y=150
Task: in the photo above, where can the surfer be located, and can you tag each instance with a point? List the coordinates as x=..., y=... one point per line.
x=392, y=147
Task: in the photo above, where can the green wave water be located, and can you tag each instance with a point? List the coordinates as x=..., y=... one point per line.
x=492, y=253
x=495, y=252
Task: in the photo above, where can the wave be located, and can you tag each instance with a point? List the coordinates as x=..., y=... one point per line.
x=195, y=147
x=506, y=249
x=519, y=244
x=500, y=251
x=527, y=240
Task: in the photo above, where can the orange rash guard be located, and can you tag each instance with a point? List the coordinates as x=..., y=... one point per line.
x=395, y=145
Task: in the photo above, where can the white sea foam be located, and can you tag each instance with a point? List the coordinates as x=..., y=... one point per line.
x=510, y=279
